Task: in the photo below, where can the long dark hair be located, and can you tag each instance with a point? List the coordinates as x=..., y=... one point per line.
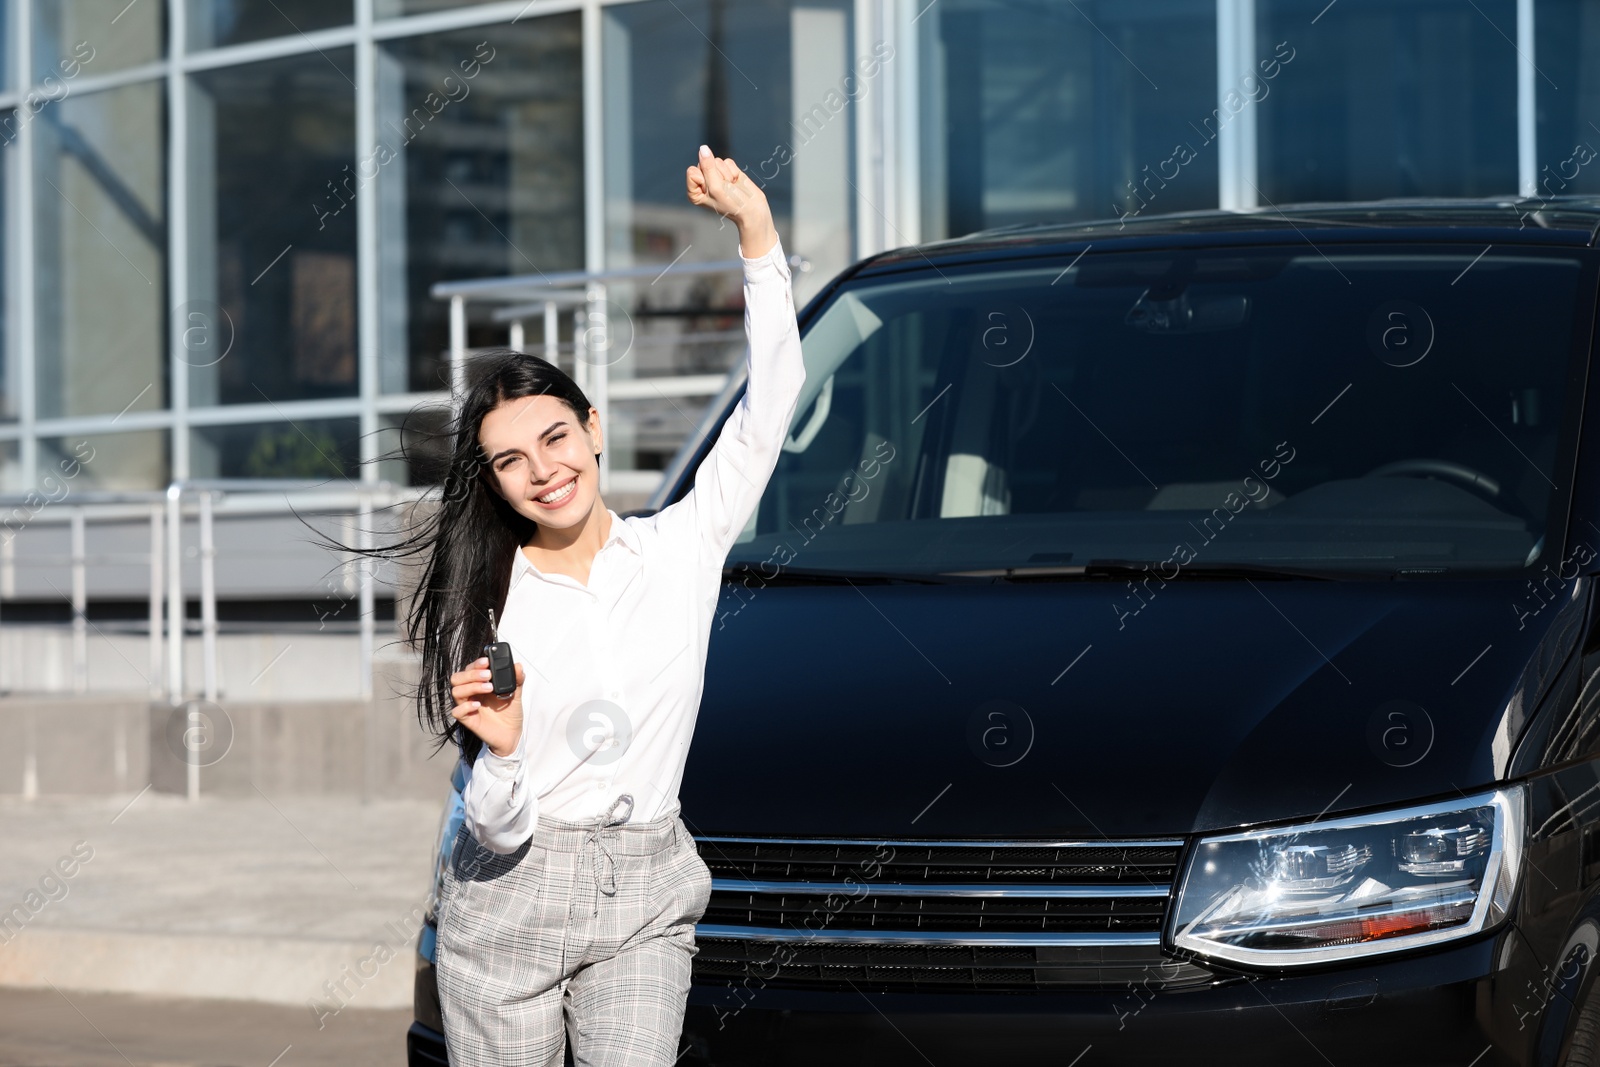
x=466, y=544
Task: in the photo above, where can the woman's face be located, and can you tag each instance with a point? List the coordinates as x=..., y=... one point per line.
x=535, y=448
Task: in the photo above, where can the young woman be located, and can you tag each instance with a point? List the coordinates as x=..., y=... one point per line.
x=574, y=887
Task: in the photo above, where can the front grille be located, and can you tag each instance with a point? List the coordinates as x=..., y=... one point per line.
x=925, y=915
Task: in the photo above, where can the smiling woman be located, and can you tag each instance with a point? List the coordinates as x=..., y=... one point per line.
x=571, y=835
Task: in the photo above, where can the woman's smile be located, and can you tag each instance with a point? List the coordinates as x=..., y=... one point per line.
x=559, y=495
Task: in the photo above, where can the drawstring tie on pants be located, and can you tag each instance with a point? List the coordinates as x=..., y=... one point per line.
x=597, y=839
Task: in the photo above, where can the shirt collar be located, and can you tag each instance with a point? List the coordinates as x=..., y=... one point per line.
x=621, y=531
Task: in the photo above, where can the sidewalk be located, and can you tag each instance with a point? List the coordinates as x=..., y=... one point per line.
x=293, y=901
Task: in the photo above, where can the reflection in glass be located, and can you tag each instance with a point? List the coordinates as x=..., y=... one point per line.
x=96, y=36
x=213, y=23
x=1050, y=112
x=1566, y=33
x=9, y=380
x=384, y=9
x=107, y=460
x=100, y=259
x=414, y=448
x=11, y=475
x=773, y=85
x=770, y=84
x=303, y=450
x=479, y=166
x=1384, y=99
x=1089, y=414
x=273, y=217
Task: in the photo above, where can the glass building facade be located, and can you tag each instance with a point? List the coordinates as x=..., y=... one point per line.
x=222, y=218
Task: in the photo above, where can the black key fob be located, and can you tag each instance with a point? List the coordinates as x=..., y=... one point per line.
x=502, y=671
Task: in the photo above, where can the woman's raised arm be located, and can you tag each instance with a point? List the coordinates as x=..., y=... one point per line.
x=731, y=479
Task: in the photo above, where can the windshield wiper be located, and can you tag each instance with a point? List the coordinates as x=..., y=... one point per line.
x=830, y=576
x=1121, y=567
x=1128, y=568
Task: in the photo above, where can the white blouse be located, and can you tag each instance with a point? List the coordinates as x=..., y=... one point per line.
x=614, y=670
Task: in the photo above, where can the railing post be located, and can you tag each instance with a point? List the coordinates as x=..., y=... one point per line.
x=458, y=351
x=596, y=346
x=208, y=597
x=175, y=606
x=552, y=334
x=8, y=567
x=156, y=560
x=364, y=540
x=517, y=340
x=80, y=605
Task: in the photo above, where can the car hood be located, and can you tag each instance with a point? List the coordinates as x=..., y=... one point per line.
x=890, y=710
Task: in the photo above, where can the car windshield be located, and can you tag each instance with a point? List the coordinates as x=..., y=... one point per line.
x=1374, y=409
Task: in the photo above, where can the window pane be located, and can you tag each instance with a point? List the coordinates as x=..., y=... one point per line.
x=100, y=262
x=106, y=460
x=480, y=157
x=391, y=8
x=305, y=450
x=9, y=382
x=1382, y=99
x=11, y=479
x=219, y=22
x=768, y=83
x=1053, y=112
x=95, y=36
x=414, y=448
x=273, y=266
x=773, y=85
x=1567, y=87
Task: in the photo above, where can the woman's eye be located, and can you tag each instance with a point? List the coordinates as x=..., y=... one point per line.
x=557, y=437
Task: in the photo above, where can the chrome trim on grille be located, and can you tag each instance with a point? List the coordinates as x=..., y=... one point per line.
x=899, y=889
x=941, y=843
x=926, y=937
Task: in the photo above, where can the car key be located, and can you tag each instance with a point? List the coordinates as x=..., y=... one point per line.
x=502, y=671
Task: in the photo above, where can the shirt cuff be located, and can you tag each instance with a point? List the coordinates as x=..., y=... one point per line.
x=505, y=766
x=773, y=264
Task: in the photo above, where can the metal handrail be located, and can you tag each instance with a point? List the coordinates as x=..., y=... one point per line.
x=165, y=511
x=517, y=286
x=583, y=294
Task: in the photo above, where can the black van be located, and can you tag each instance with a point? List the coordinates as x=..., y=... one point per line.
x=1174, y=640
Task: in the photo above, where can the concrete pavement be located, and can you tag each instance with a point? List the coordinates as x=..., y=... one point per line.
x=311, y=901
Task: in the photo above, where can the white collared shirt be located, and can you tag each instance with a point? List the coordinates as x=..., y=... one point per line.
x=614, y=669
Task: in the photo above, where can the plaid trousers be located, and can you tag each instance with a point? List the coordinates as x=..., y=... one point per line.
x=594, y=921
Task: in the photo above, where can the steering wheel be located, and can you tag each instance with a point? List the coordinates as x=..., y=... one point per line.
x=1446, y=470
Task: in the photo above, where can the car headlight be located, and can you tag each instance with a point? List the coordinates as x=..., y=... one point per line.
x=1355, y=886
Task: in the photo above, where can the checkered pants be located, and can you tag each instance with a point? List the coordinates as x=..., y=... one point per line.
x=594, y=920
